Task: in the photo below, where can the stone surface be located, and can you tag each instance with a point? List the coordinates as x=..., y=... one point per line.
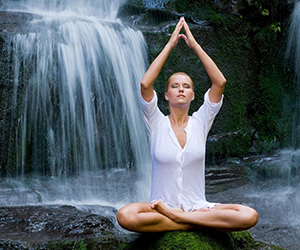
x=66, y=227
x=11, y=21
x=48, y=223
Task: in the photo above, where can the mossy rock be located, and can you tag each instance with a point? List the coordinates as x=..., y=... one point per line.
x=177, y=240
x=204, y=239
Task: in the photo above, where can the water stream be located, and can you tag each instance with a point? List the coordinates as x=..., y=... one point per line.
x=293, y=58
x=273, y=190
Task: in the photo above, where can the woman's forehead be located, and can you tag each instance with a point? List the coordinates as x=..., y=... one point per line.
x=180, y=78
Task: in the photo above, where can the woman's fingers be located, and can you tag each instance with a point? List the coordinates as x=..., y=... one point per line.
x=189, y=38
x=179, y=25
x=184, y=37
x=187, y=28
x=175, y=35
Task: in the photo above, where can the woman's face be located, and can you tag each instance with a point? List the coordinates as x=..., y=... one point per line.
x=180, y=90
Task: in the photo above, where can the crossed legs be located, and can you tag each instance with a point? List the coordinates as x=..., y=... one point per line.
x=158, y=217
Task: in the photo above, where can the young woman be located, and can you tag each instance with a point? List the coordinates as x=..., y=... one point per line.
x=178, y=151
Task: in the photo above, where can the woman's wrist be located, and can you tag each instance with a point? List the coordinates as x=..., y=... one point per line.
x=169, y=46
x=196, y=46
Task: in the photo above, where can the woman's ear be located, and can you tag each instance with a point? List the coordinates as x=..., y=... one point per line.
x=166, y=96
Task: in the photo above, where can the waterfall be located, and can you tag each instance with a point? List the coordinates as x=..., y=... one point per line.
x=293, y=56
x=158, y=4
x=75, y=116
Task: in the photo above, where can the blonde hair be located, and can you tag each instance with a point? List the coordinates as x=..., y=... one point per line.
x=178, y=73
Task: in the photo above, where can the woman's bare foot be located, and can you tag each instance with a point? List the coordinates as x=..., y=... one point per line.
x=163, y=209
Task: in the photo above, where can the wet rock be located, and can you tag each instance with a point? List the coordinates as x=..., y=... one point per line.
x=49, y=223
x=6, y=244
x=66, y=227
x=15, y=21
x=221, y=178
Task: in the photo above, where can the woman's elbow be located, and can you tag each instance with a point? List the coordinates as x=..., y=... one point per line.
x=146, y=85
x=222, y=82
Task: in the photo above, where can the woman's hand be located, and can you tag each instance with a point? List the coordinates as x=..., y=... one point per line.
x=215, y=75
x=188, y=37
x=176, y=33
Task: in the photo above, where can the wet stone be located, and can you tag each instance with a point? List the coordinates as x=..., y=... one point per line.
x=48, y=223
x=15, y=20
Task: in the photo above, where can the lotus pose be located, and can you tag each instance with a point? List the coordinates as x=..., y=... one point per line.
x=178, y=152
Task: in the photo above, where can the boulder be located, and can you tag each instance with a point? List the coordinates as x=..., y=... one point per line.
x=66, y=227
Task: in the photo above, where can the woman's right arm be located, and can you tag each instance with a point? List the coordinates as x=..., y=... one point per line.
x=156, y=66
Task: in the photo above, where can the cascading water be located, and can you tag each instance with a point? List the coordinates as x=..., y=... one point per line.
x=275, y=192
x=158, y=4
x=293, y=56
x=75, y=115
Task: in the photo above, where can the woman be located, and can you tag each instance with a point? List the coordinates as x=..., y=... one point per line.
x=178, y=153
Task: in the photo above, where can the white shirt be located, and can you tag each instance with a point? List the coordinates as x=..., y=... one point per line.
x=178, y=177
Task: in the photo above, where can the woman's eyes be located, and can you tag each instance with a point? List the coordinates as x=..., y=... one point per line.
x=187, y=86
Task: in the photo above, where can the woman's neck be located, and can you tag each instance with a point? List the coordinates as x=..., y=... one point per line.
x=178, y=116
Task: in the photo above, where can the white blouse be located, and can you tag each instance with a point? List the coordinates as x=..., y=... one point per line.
x=178, y=177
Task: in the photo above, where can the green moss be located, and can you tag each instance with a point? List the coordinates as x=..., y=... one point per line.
x=182, y=5
x=80, y=245
x=241, y=238
x=60, y=245
x=205, y=239
x=177, y=240
x=67, y=245
x=214, y=18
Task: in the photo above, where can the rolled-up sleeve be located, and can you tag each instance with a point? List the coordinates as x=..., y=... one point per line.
x=151, y=112
x=208, y=111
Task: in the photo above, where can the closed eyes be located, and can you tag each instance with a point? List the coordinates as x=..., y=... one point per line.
x=185, y=85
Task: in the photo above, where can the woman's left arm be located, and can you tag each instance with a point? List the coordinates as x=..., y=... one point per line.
x=215, y=75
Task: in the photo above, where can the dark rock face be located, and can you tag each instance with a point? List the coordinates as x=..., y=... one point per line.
x=15, y=21
x=39, y=224
x=10, y=22
x=59, y=227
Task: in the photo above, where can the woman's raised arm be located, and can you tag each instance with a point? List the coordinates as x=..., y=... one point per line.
x=156, y=66
x=215, y=75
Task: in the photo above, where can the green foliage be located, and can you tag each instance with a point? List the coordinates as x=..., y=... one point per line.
x=182, y=5
x=247, y=48
x=229, y=144
x=268, y=108
x=214, y=18
x=189, y=6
